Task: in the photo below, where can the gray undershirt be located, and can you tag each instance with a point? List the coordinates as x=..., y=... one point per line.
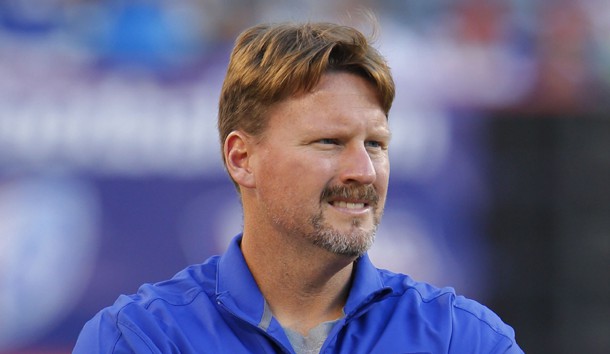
x=314, y=340
x=312, y=343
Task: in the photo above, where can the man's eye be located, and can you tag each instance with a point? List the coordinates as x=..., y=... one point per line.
x=374, y=144
x=328, y=141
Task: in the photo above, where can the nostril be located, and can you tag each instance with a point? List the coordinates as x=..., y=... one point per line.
x=358, y=167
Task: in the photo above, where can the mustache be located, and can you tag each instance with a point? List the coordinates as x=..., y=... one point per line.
x=365, y=193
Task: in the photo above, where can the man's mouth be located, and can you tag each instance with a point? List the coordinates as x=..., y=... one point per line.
x=348, y=205
x=349, y=197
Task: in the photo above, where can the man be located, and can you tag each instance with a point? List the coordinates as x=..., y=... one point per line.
x=303, y=121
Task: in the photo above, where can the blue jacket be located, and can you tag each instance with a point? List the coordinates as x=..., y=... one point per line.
x=216, y=307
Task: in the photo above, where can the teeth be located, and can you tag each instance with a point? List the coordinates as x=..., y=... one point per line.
x=347, y=205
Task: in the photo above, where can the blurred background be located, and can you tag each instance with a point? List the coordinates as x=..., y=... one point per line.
x=111, y=176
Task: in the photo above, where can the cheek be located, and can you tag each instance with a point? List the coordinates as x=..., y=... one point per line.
x=382, y=169
x=308, y=178
x=289, y=174
x=288, y=166
x=382, y=182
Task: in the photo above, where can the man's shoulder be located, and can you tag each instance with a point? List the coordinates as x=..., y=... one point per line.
x=180, y=291
x=463, y=317
x=182, y=287
x=151, y=308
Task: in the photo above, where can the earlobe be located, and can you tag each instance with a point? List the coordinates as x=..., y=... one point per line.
x=237, y=158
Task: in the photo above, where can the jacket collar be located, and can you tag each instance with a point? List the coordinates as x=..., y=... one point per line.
x=237, y=290
x=367, y=286
x=235, y=285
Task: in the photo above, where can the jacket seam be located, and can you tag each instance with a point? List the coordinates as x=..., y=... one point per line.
x=126, y=326
x=497, y=331
x=500, y=342
x=426, y=300
x=149, y=303
x=118, y=338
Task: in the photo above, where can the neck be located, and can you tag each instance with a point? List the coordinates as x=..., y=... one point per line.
x=303, y=284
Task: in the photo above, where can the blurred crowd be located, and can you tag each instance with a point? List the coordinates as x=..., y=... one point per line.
x=534, y=55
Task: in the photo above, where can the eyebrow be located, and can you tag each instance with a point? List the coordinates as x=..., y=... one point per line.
x=385, y=131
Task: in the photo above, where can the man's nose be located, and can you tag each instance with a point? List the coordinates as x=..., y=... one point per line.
x=357, y=166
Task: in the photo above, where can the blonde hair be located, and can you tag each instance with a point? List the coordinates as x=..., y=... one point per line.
x=271, y=62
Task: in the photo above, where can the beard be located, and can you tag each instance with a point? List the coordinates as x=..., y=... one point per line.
x=356, y=241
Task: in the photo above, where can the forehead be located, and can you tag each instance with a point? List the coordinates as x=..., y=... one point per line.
x=348, y=85
x=339, y=99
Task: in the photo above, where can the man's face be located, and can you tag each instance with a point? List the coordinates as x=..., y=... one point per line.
x=322, y=167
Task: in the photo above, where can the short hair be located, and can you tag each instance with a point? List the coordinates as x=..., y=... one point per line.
x=271, y=62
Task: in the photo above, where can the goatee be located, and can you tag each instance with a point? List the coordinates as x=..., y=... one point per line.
x=356, y=241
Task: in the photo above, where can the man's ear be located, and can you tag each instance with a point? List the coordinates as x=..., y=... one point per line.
x=237, y=153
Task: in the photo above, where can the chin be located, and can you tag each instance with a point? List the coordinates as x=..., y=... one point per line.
x=349, y=244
